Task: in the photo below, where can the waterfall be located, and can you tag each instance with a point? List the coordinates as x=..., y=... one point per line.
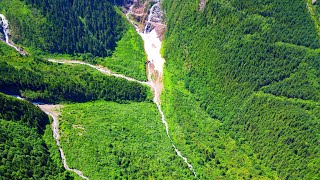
x=148, y=23
x=6, y=32
x=152, y=45
x=5, y=27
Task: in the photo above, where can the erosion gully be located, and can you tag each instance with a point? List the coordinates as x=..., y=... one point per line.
x=152, y=46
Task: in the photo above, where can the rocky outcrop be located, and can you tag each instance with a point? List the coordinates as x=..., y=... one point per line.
x=4, y=28
x=202, y=5
x=148, y=20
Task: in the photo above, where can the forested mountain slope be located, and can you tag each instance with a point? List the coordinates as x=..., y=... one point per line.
x=60, y=26
x=119, y=141
x=40, y=80
x=24, y=153
x=241, y=94
x=253, y=65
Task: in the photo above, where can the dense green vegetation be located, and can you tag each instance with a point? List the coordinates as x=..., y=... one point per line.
x=44, y=81
x=231, y=50
x=211, y=151
x=23, y=112
x=303, y=84
x=292, y=129
x=241, y=96
x=82, y=30
x=122, y=141
x=24, y=153
x=129, y=57
x=65, y=26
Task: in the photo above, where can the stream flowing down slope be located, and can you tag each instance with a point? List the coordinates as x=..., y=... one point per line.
x=52, y=110
x=101, y=69
x=152, y=45
x=6, y=32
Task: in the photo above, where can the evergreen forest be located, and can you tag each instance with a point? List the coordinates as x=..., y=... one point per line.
x=240, y=92
x=24, y=152
x=63, y=26
x=253, y=66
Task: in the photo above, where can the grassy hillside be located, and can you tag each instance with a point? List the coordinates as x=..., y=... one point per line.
x=107, y=140
x=227, y=54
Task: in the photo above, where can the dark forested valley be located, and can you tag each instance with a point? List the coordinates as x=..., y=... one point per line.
x=63, y=26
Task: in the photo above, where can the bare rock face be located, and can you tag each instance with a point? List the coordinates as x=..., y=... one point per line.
x=314, y=2
x=151, y=19
x=202, y=5
x=138, y=11
x=154, y=18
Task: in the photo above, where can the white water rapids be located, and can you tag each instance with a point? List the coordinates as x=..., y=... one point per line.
x=5, y=27
x=6, y=32
x=152, y=45
x=148, y=23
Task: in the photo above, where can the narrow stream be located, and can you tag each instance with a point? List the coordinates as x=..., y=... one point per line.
x=6, y=32
x=152, y=45
x=101, y=69
x=49, y=110
x=56, y=135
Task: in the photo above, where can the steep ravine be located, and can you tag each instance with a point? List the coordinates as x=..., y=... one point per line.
x=155, y=63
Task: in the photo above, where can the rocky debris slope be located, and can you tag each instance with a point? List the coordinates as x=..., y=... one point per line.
x=148, y=15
